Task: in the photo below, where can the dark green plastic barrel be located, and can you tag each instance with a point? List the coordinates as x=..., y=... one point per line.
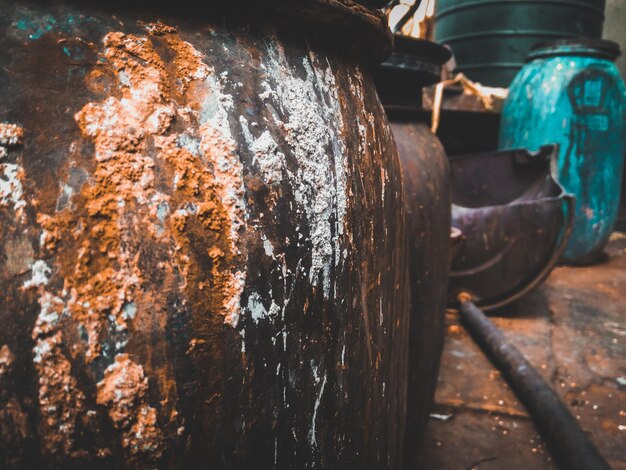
x=491, y=38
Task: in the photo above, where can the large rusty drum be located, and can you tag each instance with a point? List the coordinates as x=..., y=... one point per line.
x=202, y=240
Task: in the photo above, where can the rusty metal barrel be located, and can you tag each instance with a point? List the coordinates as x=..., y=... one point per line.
x=202, y=239
x=426, y=184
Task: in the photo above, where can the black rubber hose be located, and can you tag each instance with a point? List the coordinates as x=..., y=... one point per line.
x=568, y=443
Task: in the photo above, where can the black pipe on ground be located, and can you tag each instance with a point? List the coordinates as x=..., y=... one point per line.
x=568, y=443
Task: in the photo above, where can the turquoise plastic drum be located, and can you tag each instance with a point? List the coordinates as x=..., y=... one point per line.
x=570, y=93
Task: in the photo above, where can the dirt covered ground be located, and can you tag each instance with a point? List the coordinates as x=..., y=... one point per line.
x=573, y=330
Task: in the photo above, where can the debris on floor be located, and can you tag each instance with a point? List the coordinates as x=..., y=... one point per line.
x=572, y=330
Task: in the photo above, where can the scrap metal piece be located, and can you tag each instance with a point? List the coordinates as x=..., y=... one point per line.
x=515, y=219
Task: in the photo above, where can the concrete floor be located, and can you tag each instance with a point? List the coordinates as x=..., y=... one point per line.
x=573, y=330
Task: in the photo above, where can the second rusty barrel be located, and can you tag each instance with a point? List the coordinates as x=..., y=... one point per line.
x=202, y=239
x=426, y=184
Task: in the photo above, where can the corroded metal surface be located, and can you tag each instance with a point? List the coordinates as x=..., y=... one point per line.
x=426, y=185
x=202, y=247
x=426, y=180
x=515, y=219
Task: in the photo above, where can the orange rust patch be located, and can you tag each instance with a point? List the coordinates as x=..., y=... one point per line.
x=157, y=28
x=121, y=215
x=124, y=392
x=208, y=227
x=6, y=359
x=188, y=62
x=61, y=403
x=11, y=134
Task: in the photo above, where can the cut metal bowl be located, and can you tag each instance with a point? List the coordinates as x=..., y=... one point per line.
x=515, y=219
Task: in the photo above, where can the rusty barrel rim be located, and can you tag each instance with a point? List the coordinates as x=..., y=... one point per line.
x=360, y=30
x=414, y=64
x=415, y=55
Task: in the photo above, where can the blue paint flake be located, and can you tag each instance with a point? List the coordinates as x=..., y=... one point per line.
x=37, y=26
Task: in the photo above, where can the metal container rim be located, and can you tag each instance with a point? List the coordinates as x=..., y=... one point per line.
x=586, y=47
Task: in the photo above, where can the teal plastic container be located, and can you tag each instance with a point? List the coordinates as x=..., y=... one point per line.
x=491, y=38
x=570, y=93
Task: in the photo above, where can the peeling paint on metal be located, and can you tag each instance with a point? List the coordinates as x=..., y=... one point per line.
x=310, y=132
x=11, y=174
x=102, y=275
x=270, y=160
x=40, y=272
x=146, y=246
x=123, y=390
x=318, y=400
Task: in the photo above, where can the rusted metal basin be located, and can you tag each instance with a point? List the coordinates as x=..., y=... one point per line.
x=515, y=219
x=426, y=184
x=203, y=255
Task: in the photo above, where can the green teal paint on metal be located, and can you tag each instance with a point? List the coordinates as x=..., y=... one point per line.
x=33, y=27
x=491, y=38
x=570, y=93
